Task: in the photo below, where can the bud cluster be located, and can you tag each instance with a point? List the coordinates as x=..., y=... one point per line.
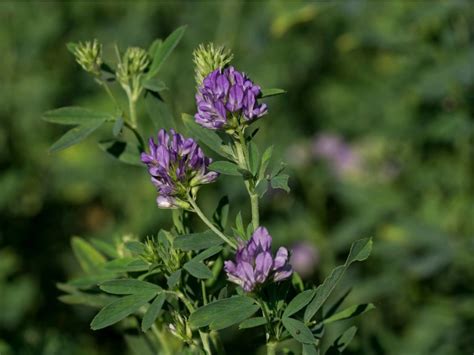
x=89, y=56
x=134, y=63
x=208, y=58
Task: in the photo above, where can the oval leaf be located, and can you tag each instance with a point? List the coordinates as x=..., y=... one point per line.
x=162, y=52
x=128, y=287
x=205, y=136
x=75, y=135
x=89, y=258
x=198, y=270
x=299, y=331
x=252, y=322
x=223, y=313
x=152, y=312
x=75, y=116
x=299, y=302
x=197, y=241
x=350, y=312
x=225, y=167
x=119, y=309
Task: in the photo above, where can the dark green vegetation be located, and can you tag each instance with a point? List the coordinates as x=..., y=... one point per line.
x=394, y=80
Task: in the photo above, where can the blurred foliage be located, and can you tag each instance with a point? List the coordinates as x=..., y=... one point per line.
x=394, y=80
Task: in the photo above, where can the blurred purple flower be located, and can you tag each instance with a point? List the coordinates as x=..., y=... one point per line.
x=254, y=264
x=304, y=259
x=225, y=94
x=176, y=166
x=341, y=157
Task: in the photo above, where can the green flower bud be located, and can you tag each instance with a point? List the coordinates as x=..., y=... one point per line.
x=208, y=58
x=89, y=56
x=135, y=62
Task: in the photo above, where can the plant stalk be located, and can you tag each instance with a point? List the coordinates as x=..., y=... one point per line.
x=271, y=348
x=210, y=224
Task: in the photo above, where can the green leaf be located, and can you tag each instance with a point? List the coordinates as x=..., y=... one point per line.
x=119, y=309
x=75, y=116
x=91, y=280
x=205, y=136
x=154, y=47
x=261, y=188
x=162, y=52
x=75, y=135
x=105, y=247
x=267, y=155
x=207, y=253
x=298, y=330
x=118, y=126
x=221, y=214
x=350, y=312
x=197, y=241
x=174, y=278
x=309, y=349
x=252, y=322
x=125, y=152
x=198, y=269
x=128, y=287
x=127, y=265
x=323, y=292
x=89, y=258
x=280, y=182
x=155, y=85
x=223, y=313
x=225, y=167
x=135, y=247
x=152, y=312
x=159, y=111
x=239, y=224
x=87, y=299
x=360, y=250
x=254, y=156
x=272, y=92
x=341, y=343
x=299, y=302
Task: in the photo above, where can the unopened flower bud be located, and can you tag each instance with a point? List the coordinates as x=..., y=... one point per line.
x=135, y=62
x=89, y=56
x=208, y=58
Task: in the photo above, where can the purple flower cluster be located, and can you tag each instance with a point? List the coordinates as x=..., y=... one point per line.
x=254, y=263
x=227, y=94
x=176, y=165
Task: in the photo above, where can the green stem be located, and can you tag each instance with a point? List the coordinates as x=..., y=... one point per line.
x=203, y=290
x=205, y=342
x=243, y=162
x=133, y=112
x=271, y=348
x=136, y=134
x=210, y=224
x=255, y=212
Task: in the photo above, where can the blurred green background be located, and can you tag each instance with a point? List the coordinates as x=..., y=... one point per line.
x=391, y=84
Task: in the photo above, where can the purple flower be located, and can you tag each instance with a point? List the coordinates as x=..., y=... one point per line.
x=226, y=96
x=304, y=259
x=177, y=166
x=254, y=264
